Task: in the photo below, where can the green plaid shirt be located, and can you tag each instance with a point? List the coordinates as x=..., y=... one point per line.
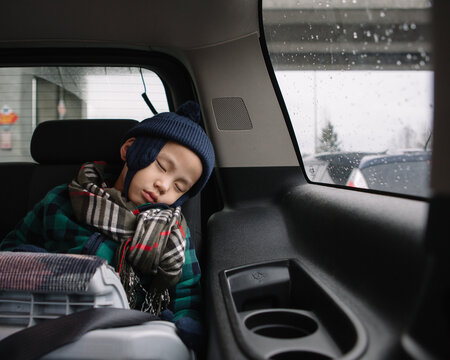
x=52, y=225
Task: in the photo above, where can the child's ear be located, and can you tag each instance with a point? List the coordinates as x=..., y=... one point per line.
x=124, y=148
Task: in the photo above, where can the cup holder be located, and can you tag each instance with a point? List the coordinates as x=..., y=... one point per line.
x=281, y=324
x=279, y=311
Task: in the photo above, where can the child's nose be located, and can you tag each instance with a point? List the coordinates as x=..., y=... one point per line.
x=162, y=185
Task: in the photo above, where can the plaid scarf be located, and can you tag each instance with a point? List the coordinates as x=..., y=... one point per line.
x=152, y=240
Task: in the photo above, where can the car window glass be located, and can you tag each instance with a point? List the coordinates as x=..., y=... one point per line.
x=357, y=80
x=31, y=95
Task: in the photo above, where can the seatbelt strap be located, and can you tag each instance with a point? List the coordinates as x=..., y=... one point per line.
x=38, y=340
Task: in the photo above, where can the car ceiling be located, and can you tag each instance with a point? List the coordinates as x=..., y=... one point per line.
x=136, y=23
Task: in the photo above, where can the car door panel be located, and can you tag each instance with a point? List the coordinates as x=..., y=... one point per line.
x=365, y=248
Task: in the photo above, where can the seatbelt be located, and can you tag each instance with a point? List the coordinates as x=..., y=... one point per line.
x=38, y=340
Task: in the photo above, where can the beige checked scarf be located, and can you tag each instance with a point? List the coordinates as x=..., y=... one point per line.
x=152, y=242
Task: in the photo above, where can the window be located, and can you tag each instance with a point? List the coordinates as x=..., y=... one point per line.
x=357, y=80
x=31, y=95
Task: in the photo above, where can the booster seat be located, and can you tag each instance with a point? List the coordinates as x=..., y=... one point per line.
x=35, y=287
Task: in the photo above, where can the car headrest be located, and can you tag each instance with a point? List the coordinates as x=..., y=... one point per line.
x=79, y=141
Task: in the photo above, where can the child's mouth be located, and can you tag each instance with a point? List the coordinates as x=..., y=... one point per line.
x=150, y=196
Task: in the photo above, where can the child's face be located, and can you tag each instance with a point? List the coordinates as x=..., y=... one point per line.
x=175, y=170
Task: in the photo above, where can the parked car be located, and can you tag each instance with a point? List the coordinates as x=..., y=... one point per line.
x=407, y=173
x=332, y=168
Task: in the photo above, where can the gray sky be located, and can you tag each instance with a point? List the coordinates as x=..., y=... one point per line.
x=368, y=109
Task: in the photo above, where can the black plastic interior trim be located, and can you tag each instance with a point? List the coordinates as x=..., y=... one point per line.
x=367, y=249
x=430, y=327
x=249, y=185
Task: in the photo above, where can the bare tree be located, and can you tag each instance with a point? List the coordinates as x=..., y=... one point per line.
x=408, y=138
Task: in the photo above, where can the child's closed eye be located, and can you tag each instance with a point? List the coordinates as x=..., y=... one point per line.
x=160, y=165
x=179, y=188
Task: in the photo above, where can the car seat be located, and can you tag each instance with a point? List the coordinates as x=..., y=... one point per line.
x=59, y=147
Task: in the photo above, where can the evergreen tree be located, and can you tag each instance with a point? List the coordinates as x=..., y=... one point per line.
x=329, y=139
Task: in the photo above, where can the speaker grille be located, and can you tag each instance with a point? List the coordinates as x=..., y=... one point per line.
x=231, y=114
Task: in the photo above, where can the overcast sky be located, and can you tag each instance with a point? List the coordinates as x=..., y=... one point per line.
x=119, y=96
x=368, y=109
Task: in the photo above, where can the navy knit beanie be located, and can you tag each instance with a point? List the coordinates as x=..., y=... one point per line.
x=152, y=134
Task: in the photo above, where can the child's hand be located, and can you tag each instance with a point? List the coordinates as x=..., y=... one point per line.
x=28, y=248
x=166, y=315
x=189, y=330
